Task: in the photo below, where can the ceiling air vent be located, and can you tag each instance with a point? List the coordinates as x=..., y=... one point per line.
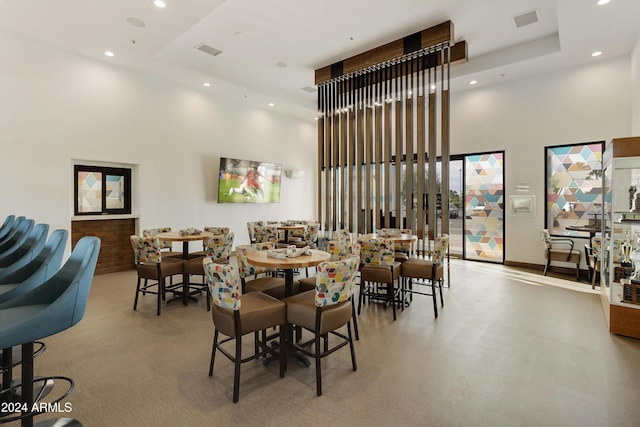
x=310, y=89
x=526, y=18
x=208, y=49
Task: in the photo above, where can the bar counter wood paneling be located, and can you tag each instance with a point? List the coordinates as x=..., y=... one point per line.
x=115, y=249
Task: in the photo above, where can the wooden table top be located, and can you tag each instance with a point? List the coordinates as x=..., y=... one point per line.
x=400, y=238
x=174, y=236
x=287, y=226
x=261, y=259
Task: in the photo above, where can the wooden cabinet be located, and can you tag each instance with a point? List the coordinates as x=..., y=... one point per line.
x=115, y=248
x=620, y=230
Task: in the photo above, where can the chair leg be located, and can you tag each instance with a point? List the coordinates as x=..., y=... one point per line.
x=355, y=320
x=160, y=295
x=546, y=267
x=392, y=295
x=433, y=293
x=135, y=300
x=236, y=374
x=213, y=352
x=363, y=288
x=440, y=291
x=353, y=351
x=577, y=271
x=283, y=349
x=318, y=368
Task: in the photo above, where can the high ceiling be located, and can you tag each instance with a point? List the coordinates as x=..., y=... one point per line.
x=270, y=48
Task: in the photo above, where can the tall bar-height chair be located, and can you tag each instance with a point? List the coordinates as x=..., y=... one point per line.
x=428, y=272
x=165, y=245
x=56, y=305
x=339, y=250
x=14, y=225
x=16, y=282
x=325, y=310
x=218, y=248
x=380, y=271
x=259, y=279
x=45, y=264
x=7, y=225
x=236, y=314
x=561, y=250
x=151, y=265
x=22, y=254
x=17, y=236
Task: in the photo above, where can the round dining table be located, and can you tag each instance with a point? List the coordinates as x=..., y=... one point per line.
x=261, y=259
x=174, y=236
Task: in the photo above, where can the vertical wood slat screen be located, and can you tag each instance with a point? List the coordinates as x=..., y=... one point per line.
x=377, y=129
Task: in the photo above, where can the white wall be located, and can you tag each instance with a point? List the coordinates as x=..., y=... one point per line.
x=58, y=107
x=635, y=90
x=577, y=105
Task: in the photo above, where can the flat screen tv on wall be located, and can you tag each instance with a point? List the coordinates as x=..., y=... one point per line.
x=248, y=181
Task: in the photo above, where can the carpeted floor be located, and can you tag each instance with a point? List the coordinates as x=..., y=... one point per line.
x=509, y=348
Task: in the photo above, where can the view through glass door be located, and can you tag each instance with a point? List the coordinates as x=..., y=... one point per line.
x=484, y=207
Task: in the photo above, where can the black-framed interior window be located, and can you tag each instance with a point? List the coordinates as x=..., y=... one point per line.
x=102, y=190
x=573, y=182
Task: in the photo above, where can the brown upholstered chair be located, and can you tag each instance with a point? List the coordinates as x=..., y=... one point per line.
x=235, y=314
x=325, y=310
x=259, y=279
x=150, y=265
x=380, y=272
x=218, y=248
x=165, y=245
x=416, y=272
x=561, y=250
x=339, y=250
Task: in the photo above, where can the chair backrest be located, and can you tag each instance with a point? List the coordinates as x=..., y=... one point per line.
x=335, y=280
x=251, y=231
x=217, y=230
x=44, y=264
x=546, y=238
x=146, y=249
x=266, y=234
x=399, y=246
x=7, y=225
x=152, y=232
x=311, y=232
x=440, y=249
x=17, y=236
x=377, y=252
x=343, y=234
x=223, y=283
x=25, y=252
x=218, y=247
x=60, y=302
x=16, y=222
x=245, y=269
x=597, y=246
x=342, y=249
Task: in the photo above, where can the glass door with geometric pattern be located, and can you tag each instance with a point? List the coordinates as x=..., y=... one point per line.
x=484, y=207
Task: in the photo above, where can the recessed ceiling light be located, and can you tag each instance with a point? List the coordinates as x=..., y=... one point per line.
x=596, y=53
x=473, y=82
x=206, y=84
x=601, y=2
x=159, y=3
x=108, y=53
x=281, y=64
x=271, y=104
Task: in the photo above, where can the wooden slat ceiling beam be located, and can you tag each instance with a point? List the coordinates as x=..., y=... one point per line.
x=424, y=39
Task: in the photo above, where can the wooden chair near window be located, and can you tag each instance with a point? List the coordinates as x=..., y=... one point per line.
x=593, y=259
x=560, y=250
x=426, y=272
x=380, y=274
